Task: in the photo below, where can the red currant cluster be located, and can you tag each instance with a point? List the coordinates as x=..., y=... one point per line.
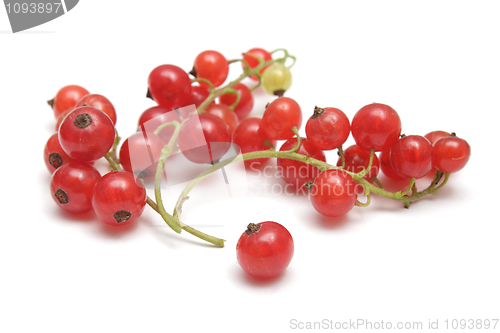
x=204, y=134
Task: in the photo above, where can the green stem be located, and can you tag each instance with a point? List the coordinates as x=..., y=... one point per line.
x=247, y=72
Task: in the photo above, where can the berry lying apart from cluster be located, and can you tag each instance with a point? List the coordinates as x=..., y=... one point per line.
x=205, y=133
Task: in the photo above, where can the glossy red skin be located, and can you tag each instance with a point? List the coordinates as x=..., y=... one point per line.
x=213, y=66
x=376, y=126
x=225, y=113
x=198, y=95
x=61, y=118
x=254, y=62
x=77, y=179
x=436, y=135
x=54, y=147
x=433, y=137
x=66, y=98
x=298, y=173
x=142, y=147
x=156, y=116
x=329, y=130
x=89, y=143
x=450, y=154
x=100, y=103
x=266, y=253
x=206, y=140
x=386, y=167
x=357, y=159
x=333, y=193
x=117, y=191
x=244, y=106
x=411, y=156
x=169, y=86
x=250, y=137
x=280, y=116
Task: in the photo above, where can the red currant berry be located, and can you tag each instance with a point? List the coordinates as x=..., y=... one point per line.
x=411, y=156
x=376, y=126
x=254, y=62
x=198, y=95
x=333, y=193
x=328, y=128
x=265, y=249
x=386, y=167
x=140, y=153
x=86, y=134
x=211, y=65
x=61, y=118
x=72, y=186
x=436, y=135
x=53, y=154
x=450, y=154
x=245, y=104
x=66, y=98
x=225, y=113
x=100, y=103
x=169, y=86
x=433, y=137
x=119, y=198
x=250, y=137
x=357, y=160
x=280, y=117
x=296, y=173
x=156, y=116
x=204, y=138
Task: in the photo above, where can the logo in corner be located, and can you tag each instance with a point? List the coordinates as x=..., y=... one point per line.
x=26, y=14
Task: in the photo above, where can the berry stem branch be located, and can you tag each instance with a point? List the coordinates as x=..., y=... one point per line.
x=246, y=73
x=172, y=221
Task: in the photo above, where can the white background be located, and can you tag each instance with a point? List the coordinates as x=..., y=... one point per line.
x=436, y=63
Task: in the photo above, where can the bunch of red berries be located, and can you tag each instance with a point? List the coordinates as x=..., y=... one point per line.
x=204, y=134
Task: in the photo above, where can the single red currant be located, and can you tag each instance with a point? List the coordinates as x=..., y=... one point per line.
x=140, y=153
x=376, y=126
x=72, y=186
x=100, y=103
x=156, y=116
x=250, y=58
x=328, y=128
x=245, y=104
x=66, y=98
x=333, y=193
x=450, y=154
x=86, y=134
x=225, y=113
x=198, y=95
x=169, y=86
x=433, y=137
x=250, y=137
x=204, y=138
x=386, y=167
x=211, y=65
x=265, y=249
x=357, y=159
x=53, y=154
x=436, y=135
x=119, y=198
x=280, y=117
x=296, y=173
x=61, y=118
x=411, y=156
